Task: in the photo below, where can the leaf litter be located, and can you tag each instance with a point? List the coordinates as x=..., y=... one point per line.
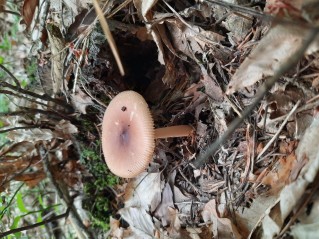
x=205, y=62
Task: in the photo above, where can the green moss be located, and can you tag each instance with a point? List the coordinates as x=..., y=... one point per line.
x=97, y=190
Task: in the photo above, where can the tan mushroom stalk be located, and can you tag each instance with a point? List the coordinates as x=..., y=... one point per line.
x=128, y=134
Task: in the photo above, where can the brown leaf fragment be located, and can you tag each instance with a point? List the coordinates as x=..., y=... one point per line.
x=28, y=10
x=222, y=227
x=31, y=179
x=286, y=170
x=211, y=87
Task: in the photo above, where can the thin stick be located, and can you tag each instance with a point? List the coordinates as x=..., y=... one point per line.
x=279, y=130
x=38, y=224
x=10, y=74
x=108, y=35
x=292, y=61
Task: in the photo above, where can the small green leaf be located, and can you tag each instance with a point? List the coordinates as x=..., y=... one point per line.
x=18, y=235
x=24, y=83
x=20, y=203
x=1, y=60
x=40, y=200
x=15, y=222
x=39, y=217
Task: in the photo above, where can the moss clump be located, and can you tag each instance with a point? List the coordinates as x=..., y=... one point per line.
x=98, y=188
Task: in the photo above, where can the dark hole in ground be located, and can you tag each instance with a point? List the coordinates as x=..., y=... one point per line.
x=139, y=59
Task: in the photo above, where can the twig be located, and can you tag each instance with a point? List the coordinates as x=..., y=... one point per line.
x=293, y=60
x=78, y=63
x=35, y=95
x=12, y=12
x=17, y=128
x=34, y=111
x=279, y=130
x=118, y=8
x=7, y=92
x=11, y=75
x=186, y=179
x=10, y=202
x=109, y=37
x=308, y=106
x=20, y=229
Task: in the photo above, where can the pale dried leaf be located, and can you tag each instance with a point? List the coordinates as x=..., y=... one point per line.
x=308, y=225
x=115, y=229
x=31, y=135
x=144, y=191
x=80, y=101
x=305, y=231
x=212, y=89
x=143, y=7
x=140, y=222
x=76, y=5
x=238, y=27
x=182, y=202
x=175, y=223
x=162, y=211
x=66, y=127
x=190, y=39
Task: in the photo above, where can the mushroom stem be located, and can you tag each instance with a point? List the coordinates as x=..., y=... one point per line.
x=173, y=131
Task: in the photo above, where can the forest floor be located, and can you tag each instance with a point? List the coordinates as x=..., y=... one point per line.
x=244, y=74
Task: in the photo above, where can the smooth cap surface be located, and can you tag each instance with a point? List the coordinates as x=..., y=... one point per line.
x=128, y=135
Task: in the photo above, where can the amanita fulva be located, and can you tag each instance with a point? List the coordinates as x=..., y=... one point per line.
x=128, y=134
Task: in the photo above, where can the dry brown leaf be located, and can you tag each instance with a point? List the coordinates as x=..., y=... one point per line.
x=274, y=49
x=175, y=223
x=28, y=10
x=31, y=179
x=2, y=5
x=212, y=89
x=115, y=229
x=221, y=227
x=287, y=169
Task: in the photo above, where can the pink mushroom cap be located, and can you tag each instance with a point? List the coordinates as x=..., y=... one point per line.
x=128, y=135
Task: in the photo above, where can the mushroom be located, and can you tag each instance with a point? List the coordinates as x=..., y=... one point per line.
x=128, y=135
